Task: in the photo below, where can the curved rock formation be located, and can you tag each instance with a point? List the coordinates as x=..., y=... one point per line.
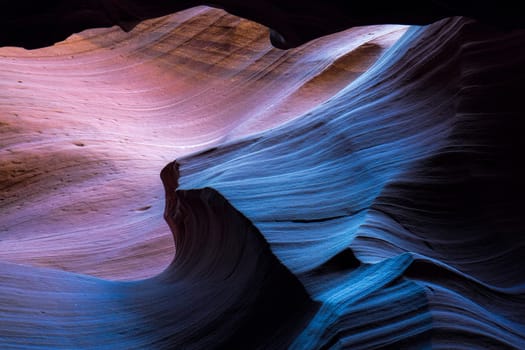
x=421, y=155
x=225, y=289
x=384, y=214
x=88, y=124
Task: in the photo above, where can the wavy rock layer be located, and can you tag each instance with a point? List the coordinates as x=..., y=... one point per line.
x=225, y=289
x=387, y=216
x=422, y=155
x=87, y=125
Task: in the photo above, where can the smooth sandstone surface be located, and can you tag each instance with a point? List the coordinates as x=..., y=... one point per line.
x=360, y=191
x=87, y=125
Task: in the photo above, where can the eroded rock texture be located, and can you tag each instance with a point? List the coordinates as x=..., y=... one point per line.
x=88, y=124
x=344, y=194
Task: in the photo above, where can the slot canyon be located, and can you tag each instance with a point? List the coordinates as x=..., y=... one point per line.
x=262, y=175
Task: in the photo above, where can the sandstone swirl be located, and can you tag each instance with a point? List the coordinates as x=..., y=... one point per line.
x=88, y=124
x=356, y=192
x=417, y=165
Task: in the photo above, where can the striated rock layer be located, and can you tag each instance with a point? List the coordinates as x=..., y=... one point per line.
x=87, y=124
x=225, y=289
x=385, y=214
x=418, y=166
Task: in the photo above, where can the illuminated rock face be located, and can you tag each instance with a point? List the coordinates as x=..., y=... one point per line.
x=88, y=124
x=320, y=197
x=224, y=289
x=420, y=156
